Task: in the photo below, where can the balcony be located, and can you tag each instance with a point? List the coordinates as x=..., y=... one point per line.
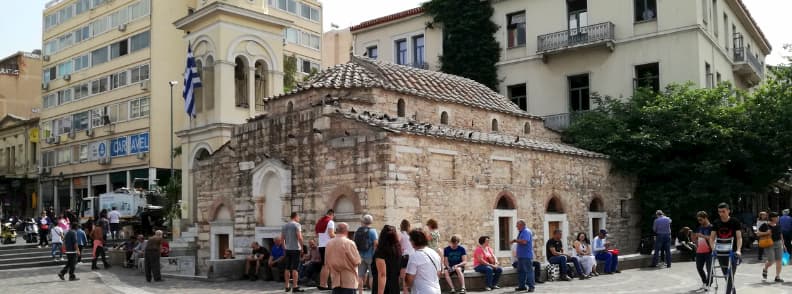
x=747, y=66
x=562, y=121
x=601, y=34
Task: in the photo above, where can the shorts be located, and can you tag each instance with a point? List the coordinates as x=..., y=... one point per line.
x=114, y=227
x=364, y=267
x=404, y=260
x=776, y=252
x=292, y=260
x=322, y=254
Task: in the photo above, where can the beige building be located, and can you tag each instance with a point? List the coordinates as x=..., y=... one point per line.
x=337, y=47
x=556, y=54
x=106, y=117
x=401, y=38
x=18, y=165
x=396, y=142
x=20, y=80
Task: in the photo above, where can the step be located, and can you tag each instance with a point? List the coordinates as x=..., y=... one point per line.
x=35, y=264
x=44, y=258
x=18, y=245
x=25, y=250
x=30, y=253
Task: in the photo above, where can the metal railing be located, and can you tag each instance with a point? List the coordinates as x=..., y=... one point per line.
x=577, y=36
x=744, y=54
x=561, y=121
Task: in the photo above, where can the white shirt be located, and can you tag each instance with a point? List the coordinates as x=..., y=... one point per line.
x=325, y=237
x=57, y=233
x=424, y=265
x=406, y=246
x=114, y=216
x=598, y=245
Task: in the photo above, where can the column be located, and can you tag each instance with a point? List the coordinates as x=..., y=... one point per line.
x=129, y=180
x=251, y=79
x=55, y=200
x=89, y=182
x=71, y=193
x=108, y=185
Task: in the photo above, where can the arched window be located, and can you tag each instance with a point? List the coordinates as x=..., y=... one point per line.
x=400, y=108
x=527, y=128
x=504, y=203
x=554, y=205
x=444, y=118
x=198, y=93
x=505, y=219
x=241, y=83
x=494, y=125
x=260, y=81
x=598, y=218
x=207, y=84
x=596, y=205
x=290, y=107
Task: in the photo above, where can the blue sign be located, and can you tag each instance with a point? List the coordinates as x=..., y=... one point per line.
x=118, y=147
x=139, y=143
x=102, y=149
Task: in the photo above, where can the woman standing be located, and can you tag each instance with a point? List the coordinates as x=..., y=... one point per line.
x=703, y=248
x=44, y=224
x=407, y=250
x=387, y=262
x=583, y=253
x=424, y=266
x=759, y=222
x=484, y=262
x=775, y=252
x=434, y=235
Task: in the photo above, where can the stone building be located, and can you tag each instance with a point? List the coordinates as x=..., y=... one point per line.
x=404, y=143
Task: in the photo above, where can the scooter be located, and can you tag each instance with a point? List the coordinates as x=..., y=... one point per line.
x=9, y=234
x=31, y=231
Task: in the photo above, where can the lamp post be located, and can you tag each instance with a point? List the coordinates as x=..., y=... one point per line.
x=171, y=83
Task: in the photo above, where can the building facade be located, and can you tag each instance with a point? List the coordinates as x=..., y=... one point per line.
x=370, y=137
x=337, y=47
x=404, y=38
x=18, y=165
x=109, y=112
x=20, y=80
x=556, y=54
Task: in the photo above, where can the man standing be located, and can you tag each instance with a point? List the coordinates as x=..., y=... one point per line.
x=366, y=241
x=72, y=252
x=662, y=227
x=82, y=241
x=524, y=257
x=342, y=262
x=291, y=233
x=727, y=227
x=556, y=255
x=785, y=222
x=325, y=229
x=115, y=221
x=152, y=257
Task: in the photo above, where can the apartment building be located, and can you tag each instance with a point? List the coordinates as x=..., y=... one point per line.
x=18, y=164
x=20, y=77
x=108, y=119
x=556, y=54
x=240, y=48
x=337, y=47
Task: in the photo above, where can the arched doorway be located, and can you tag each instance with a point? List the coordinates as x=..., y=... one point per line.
x=505, y=220
x=555, y=218
x=260, y=81
x=200, y=155
x=221, y=230
x=598, y=218
x=240, y=82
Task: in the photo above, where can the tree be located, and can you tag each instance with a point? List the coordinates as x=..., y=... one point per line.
x=469, y=46
x=690, y=149
x=289, y=73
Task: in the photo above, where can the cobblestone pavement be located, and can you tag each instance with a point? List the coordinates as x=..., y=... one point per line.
x=680, y=279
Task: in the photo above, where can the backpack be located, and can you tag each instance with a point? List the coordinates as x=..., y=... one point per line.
x=362, y=238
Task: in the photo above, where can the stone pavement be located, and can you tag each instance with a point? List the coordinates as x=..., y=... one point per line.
x=680, y=279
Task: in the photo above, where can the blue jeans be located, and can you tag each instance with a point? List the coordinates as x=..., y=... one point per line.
x=526, y=271
x=663, y=242
x=493, y=274
x=561, y=261
x=56, y=247
x=611, y=261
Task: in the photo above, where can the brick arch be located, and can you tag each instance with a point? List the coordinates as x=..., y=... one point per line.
x=554, y=202
x=341, y=192
x=597, y=204
x=508, y=196
x=217, y=204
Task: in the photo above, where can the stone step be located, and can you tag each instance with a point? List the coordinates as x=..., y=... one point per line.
x=33, y=259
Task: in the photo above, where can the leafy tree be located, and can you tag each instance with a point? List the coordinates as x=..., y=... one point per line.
x=172, y=195
x=289, y=73
x=469, y=46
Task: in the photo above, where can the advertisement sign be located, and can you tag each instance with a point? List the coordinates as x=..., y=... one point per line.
x=97, y=150
x=139, y=143
x=118, y=147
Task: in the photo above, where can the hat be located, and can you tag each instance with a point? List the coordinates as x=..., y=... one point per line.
x=604, y=231
x=659, y=212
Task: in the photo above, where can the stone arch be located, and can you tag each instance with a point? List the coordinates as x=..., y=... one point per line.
x=271, y=184
x=267, y=55
x=554, y=205
x=527, y=128
x=203, y=45
x=344, y=195
x=400, y=108
x=596, y=204
x=505, y=200
x=221, y=210
x=494, y=124
x=444, y=118
x=197, y=150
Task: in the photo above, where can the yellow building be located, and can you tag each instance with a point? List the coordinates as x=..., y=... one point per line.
x=20, y=79
x=18, y=165
x=106, y=119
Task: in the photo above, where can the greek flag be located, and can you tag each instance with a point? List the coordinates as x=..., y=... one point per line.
x=191, y=81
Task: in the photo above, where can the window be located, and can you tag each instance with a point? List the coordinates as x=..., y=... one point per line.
x=99, y=86
x=119, y=49
x=577, y=16
x=65, y=41
x=96, y=117
x=645, y=10
x=52, y=73
x=99, y=56
x=444, y=118
x=81, y=6
x=516, y=29
x=648, y=76
x=139, y=41
x=726, y=31
x=517, y=94
x=82, y=34
x=305, y=39
x=81, y=91
x=401, y=51
x=708, y=75
x=65, y=68
x=83, y=152
x=291, y=35
x=400, y=108
x=63, y=125
x=49, y=100
x=494, y=125
x=527, y=128
x=64, y=96
x=505, y=219
x=307, y=66
x=80, y=121
x=718, y=78
x=33, y=158
x=99, y=26
x=418, y=51
x=118, y=80
x=715, y=17
x=316, y=42
x=372, y=52
x=579, y=99
x=504, y=233
x=139, y=108
x=63, y=156
x=81, y=62
x=139, y=73
x=305, y=11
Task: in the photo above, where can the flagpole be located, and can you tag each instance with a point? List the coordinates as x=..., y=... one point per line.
x=172, y=173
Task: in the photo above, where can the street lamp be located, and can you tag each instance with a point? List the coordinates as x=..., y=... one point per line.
x=171, y=83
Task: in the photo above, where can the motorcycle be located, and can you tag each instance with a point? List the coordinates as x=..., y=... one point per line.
x=31, y=231
x=8, y=235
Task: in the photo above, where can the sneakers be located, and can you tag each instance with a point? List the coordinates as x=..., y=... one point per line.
x=452, y=291
x=60, y=275
x=297, y=290
x=496, y=287
x=74, y=279
x=487, y=289
x=288, y=289
x=518, y=289
x=320, y=288
x=764, y=274
x=778, y=280
x=462, y=291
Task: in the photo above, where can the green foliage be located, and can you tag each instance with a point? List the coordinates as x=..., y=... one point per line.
x=693, y=148
x=289, y=73
x=172, y=195
x=310, y=75
x=469, y=46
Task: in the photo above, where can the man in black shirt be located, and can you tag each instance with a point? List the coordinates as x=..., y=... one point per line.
x=257, y=256
x=70, y=243
x=727, y=227
x=555, y=255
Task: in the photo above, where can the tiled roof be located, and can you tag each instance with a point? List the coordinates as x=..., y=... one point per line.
x=363, y=72
x=398, y=125
x=387, y=18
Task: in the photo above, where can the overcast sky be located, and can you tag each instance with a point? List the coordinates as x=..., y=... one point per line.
x=20, y=25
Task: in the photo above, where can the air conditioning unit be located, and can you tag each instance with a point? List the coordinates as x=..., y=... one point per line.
x=50, y=140
x=66, y=77
x=141, y=155
x=104, y=161
x=56, y=140
x=89, y=132
x=144, y=85
x=71, y=135
x=45, y=86
x=45, y=57
x=122, y=28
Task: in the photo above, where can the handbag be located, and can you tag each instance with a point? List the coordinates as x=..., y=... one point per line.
x=765, y=242
x=44, y=227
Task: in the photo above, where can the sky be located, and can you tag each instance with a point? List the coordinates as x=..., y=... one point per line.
x=21, y=29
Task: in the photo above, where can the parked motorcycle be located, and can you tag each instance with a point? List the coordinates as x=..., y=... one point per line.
x=9, y=235
x=31, y=231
